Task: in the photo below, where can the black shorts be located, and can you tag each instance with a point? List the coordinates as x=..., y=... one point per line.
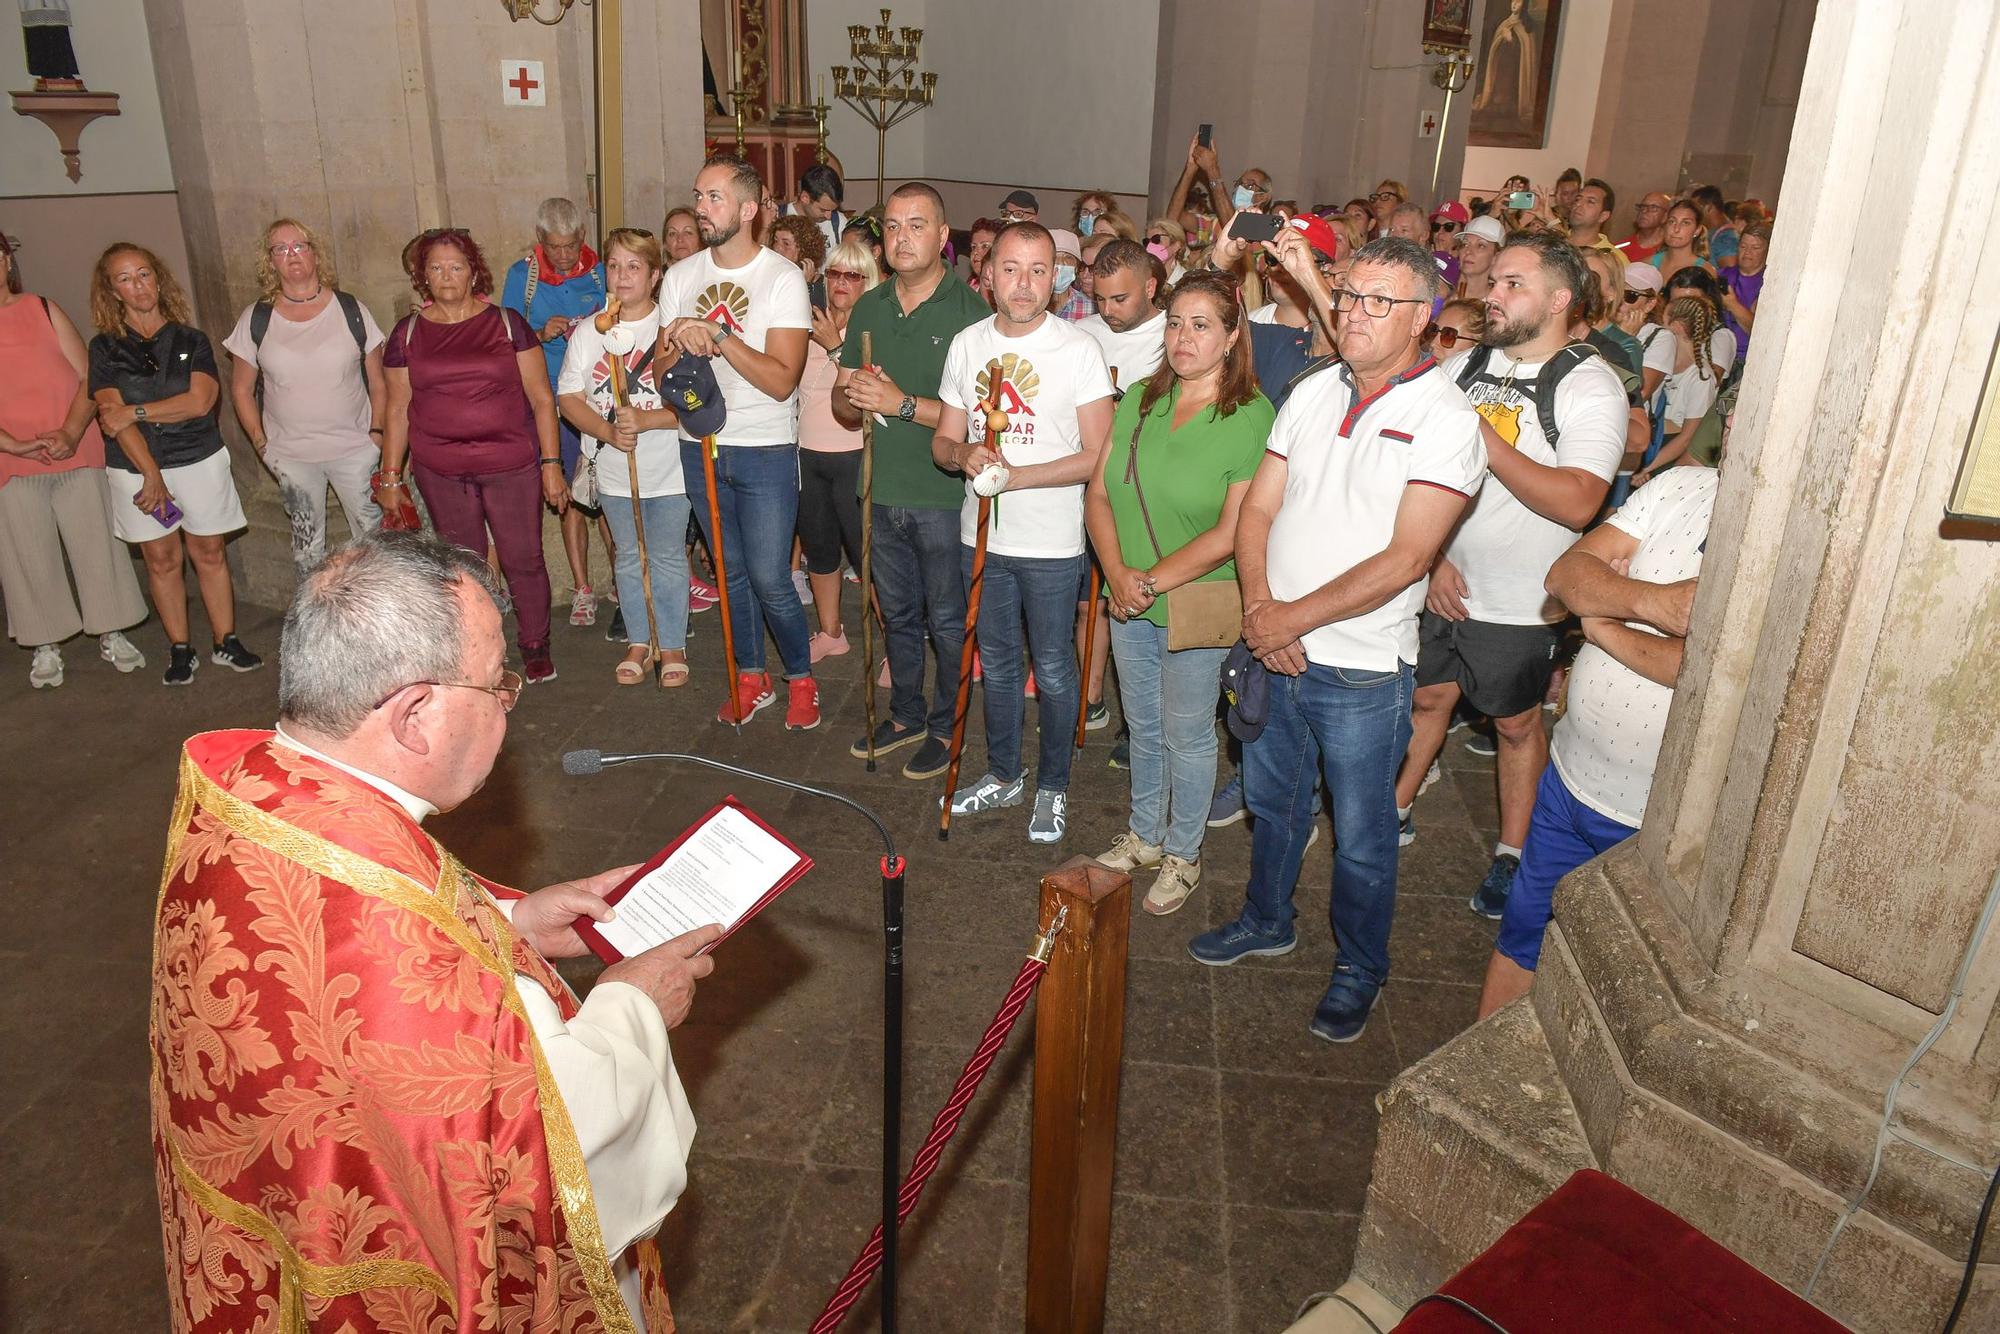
x=1501, y=670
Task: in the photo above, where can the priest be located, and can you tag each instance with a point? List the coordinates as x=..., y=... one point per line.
x=375, y=1104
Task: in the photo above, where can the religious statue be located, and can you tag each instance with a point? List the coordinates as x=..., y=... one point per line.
x=51, y=57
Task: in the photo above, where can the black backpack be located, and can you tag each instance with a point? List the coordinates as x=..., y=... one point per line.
x=260, y=324
x=1565, y=360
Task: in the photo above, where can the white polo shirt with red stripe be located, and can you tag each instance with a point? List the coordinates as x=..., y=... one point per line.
x=1348, y=462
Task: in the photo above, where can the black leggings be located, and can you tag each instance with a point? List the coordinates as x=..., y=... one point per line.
x=830, y=508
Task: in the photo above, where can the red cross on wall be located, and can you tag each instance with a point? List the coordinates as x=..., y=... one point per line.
x=1430, y=125
x=522, y=84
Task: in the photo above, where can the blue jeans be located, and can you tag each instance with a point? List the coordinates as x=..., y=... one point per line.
x=1563, y=834
x=917, y=583
x=1169, y=703
x=1041, y=591
x=759, y=500
x=666, y=528
x=1351, y=726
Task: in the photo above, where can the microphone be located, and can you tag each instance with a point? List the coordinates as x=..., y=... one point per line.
x=583, y=763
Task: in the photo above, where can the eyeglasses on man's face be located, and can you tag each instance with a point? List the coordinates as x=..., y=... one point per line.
x=507, y=690
x=1373, y=304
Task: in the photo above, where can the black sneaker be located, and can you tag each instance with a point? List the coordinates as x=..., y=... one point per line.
x=615, y=632
x=231, y=653
x=1096, y=716
x=888, y=738
x=1490, y=899
x=932, y=758
x=1121, y=753
x=1482, y=743
x=181, y=663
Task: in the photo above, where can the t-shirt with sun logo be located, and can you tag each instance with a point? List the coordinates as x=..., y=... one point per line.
x=1040, y=379
x=767, y=293
x=586, y=370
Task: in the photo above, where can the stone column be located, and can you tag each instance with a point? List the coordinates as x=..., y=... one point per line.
x=1725, y=1002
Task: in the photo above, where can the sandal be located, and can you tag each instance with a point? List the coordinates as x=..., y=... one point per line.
x=633, y=670
x=673, y=669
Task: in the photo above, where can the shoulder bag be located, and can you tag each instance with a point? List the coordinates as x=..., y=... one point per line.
x=1203, y=614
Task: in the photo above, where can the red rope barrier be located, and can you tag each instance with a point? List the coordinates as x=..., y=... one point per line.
x=864, y=1267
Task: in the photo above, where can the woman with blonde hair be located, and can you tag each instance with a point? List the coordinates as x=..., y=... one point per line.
x=829, y=453
x=308, y=388
x=154, y=379
x=55, y=508
x=1460, y=325
x=680, y=235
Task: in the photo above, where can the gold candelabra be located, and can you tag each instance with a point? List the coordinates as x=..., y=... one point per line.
x=884, y=83
x=532, y=9
x=1452, y=74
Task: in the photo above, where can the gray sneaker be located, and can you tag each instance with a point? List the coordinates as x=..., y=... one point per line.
x=987, y=794
x=1051, y=817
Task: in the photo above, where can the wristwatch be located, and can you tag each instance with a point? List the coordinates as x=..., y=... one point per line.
x=139, y=412
x=722, y=332
x=908, y=412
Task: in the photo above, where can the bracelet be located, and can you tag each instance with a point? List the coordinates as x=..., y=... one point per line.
x=375, y=430
x=556, y=461
x=382, y=478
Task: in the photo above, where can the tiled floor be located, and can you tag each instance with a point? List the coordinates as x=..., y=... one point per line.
x=1244, y=1144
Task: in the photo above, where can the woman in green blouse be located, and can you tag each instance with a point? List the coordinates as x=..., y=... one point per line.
x=1162, y=513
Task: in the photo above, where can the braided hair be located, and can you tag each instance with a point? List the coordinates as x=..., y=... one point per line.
x=1700, y=320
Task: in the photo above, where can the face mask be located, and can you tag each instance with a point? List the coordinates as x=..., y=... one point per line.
x=1160, y=253
x=1243, y=196
x=1086, y=223
x=1065, y=276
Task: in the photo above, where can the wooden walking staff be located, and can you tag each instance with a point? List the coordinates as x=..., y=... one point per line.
x=867, y=550
x=1090, y=619
x=617, y=347
x=996, y=428
x=721, y=579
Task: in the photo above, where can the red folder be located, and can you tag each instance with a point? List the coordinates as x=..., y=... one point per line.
x=608, y=952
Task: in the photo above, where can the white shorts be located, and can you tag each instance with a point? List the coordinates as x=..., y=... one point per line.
x=205, y=492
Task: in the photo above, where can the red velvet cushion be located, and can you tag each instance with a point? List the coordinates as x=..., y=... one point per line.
x=1598, y=1256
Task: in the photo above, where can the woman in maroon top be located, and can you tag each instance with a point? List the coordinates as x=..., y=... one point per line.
x=470, y=406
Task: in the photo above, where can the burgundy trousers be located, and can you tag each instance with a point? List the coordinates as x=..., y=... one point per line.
x=509, y=505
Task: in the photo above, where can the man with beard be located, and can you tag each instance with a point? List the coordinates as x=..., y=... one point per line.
x=911, y=322
x=1555, y=431
x=746, y=308
x=1129, y=325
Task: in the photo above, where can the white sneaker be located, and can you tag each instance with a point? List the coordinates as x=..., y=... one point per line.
x=47, y=669
x=117, y=650
x=1129, y=852
x=804, y=585
x=1178, y=878
x=1050, y=818
x=1431, y=776
x=987, y=794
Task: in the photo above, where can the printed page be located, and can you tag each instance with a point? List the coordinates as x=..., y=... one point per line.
x=718, y=874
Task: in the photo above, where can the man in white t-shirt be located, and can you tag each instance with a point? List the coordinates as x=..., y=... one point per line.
x=1490, y=631
x=1129, y=325
x=1635, y=623
x=746, y=308
x=1050, y=379
x=1369, y=466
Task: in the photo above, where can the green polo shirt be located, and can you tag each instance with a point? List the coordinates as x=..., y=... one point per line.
x=911, y=349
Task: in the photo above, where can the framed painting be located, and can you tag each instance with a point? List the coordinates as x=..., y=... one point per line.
x=1516, y=59
x=1447, y=25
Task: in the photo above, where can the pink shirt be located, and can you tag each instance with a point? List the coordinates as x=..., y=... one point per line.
x=37, y=385
x=817, y=428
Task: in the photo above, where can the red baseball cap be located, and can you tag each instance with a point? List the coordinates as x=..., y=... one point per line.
x=1451, y=211
x=1319, y=234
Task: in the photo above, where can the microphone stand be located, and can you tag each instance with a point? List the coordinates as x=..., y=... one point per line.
x=581, y=762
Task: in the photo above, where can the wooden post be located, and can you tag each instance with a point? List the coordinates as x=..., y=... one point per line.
x=1079, y=1039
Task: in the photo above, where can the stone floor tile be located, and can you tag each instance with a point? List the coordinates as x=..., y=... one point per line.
x=1297, y=1143
x=1280, y=1257
x=1423, y=1016
x=1169, y=1132
x=1263, y=1024
x=1167, y=1257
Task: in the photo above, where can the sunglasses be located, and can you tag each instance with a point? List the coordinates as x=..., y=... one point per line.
x=1445, y=225
x=842, y=276
x=1381, y=195
x=1631, y=296
x=1446, y=337
x=1159, y=238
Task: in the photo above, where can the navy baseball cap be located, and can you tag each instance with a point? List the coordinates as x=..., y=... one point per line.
x=689, y=388
x=1246, y=683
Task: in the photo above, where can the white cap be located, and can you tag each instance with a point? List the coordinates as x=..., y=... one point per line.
x=1644, y=278
x=1486, y=229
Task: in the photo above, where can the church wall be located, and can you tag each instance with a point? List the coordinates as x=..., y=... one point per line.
x=127, y=188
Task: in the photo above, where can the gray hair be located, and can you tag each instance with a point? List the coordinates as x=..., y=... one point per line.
x=1399, y=252
x=556, y=216
x=379, y=614
x=1411, y=210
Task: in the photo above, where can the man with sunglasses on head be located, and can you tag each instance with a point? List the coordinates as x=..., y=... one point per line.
x=414, y=999
x=1554, y=424
x=1649, y=229
x=1369, y=466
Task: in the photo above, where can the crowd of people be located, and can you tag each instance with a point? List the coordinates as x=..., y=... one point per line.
x=1524, y=418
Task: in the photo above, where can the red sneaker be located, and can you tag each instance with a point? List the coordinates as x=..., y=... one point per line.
x=753, y=693
x=701, y=594
x=536, y=664
x=1029, y=690
x=802, y=708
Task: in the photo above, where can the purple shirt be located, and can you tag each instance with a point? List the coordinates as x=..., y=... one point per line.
x=469, y=414
x=1746, y=287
